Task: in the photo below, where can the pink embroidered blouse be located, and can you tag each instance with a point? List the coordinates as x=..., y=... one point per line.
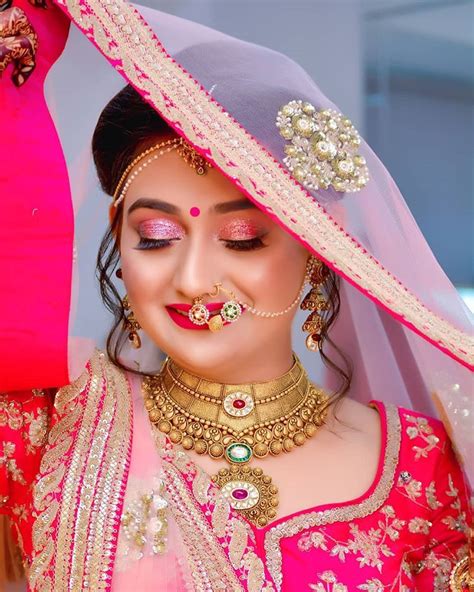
x=404, y=534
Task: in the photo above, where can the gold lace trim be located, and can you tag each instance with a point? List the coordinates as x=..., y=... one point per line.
x=218, y=551
x=369, y=505
x=86, y=458
x=128, y=42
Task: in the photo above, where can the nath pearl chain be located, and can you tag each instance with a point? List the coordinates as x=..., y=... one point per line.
x=261, y=313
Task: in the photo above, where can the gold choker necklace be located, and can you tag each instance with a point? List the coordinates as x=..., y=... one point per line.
x=237, y=422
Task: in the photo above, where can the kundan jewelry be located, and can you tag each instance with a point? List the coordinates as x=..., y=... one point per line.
x=237, y=422
x=232, y=309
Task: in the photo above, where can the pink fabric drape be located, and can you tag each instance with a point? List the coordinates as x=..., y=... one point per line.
x=36, y=222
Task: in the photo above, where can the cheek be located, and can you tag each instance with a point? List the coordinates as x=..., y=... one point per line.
x=143, y=276
x=277, y=276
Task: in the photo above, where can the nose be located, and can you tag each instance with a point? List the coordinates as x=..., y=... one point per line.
x=196, y=270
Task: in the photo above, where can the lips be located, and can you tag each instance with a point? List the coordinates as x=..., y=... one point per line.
x=187, y=307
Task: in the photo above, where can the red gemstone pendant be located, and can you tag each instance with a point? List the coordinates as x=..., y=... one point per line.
x=238, y=404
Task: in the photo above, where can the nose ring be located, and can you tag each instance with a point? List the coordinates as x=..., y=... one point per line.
x=216, y=291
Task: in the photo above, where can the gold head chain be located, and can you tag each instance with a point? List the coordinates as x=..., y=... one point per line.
x=140, y=162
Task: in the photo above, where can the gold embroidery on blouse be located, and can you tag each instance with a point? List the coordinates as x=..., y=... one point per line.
x=369, y=505
x=441, y=564
x=419, y=525
x=421, y=428
x=460, y=521
x=20, y=511
x=37, y=430
x=90, y=468
x=10, y=413
x=368, y=547
x=328, y=582
x=131, y=46
x=7, y=459
x=431, y=498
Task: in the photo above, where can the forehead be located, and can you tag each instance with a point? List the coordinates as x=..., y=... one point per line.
x=170, y=179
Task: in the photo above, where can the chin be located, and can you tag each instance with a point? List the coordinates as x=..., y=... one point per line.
x=203, y=355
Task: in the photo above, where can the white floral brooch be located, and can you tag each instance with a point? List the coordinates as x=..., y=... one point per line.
x=322, y=148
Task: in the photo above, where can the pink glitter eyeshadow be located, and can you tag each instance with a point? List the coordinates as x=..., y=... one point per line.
x=194, y=211
x=160, y=228
x=239, y=230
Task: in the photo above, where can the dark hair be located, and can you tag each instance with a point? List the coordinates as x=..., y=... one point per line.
x=126, y=125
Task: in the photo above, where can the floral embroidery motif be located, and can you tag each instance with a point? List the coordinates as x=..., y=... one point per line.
x=430, y=493
x=10, y=413
x=459, y=522
x=411, y=487
x=369, y=547
x=96, y=409
x=7, y=459
x=440, y=565
x=328, y=583
x=37, y=430
x=20, y=511
x=421, y=428
x=419, y=525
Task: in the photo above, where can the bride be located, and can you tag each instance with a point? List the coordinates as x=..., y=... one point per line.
x=225, y=466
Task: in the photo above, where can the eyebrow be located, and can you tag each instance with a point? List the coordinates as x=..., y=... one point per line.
x=168, y=208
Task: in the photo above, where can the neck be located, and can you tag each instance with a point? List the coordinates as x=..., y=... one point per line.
x=245, y=368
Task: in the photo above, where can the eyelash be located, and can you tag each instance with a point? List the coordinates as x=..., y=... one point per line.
x=242, y=245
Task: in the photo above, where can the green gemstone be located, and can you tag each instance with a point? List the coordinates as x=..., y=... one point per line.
x=238, y=452
x=230, y=311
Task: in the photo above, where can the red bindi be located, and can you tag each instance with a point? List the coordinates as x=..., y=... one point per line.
x=194, y=211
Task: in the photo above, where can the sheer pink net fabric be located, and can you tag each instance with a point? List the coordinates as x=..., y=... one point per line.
x=392, y=362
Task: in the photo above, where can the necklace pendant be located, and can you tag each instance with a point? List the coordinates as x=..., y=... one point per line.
x=249, y=491
x=238, y=404
x=238, y=453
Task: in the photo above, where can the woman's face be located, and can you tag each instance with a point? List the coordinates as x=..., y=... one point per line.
x=181, y=233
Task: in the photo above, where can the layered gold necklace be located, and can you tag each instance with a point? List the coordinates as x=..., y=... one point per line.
x=238, y=422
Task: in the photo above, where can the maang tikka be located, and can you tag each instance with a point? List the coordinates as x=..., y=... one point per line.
x=316, y=302
x=131, y=324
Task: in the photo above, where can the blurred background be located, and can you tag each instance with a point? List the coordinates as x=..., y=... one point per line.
x=403, y=71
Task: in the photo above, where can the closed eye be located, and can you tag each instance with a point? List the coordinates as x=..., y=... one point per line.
x=245, y=245
x=154, y=243
x=242, y=245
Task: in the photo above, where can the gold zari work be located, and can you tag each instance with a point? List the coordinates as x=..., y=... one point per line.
x=237, y=422
x=460, y=578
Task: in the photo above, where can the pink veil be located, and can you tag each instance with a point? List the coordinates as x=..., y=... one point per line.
x=402, y=322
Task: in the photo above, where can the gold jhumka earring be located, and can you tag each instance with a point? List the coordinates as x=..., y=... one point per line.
x=131, y=324
x=316, y=302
